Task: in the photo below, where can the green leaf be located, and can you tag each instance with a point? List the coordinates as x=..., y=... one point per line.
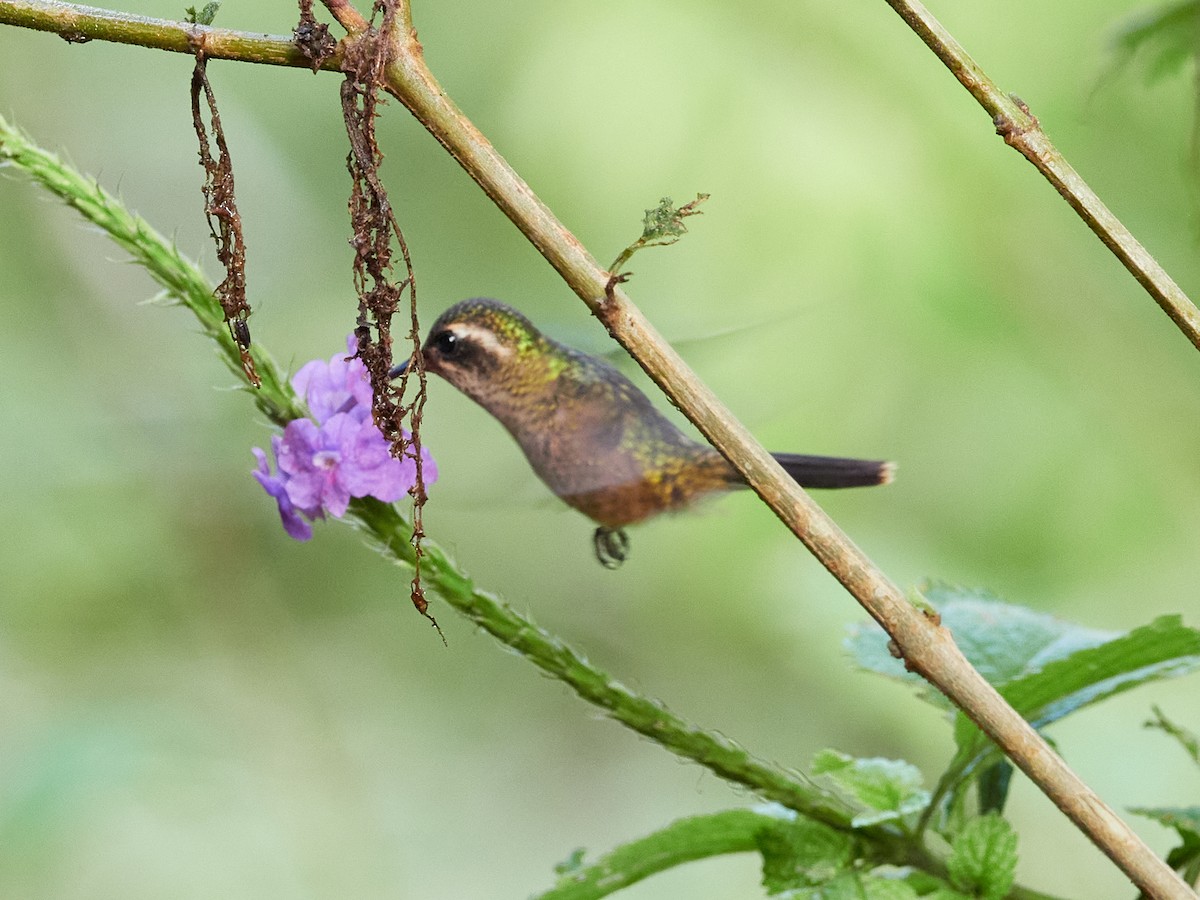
x=994, y=782
x=1162, y=649
x=802, y=853
x=888, y=789
x=1045, y=667
x=1164, y=36
x=1186, y=821
x=1186, y=739
x=1181, y=818
x=205, y=16
x=664, y=222
x=851, y=886
x=983, y=858
x=661, y=226
x=1004, y=642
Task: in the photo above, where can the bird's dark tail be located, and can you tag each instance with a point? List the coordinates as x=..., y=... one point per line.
x=834, y=471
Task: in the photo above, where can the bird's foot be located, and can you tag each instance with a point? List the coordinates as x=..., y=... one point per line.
x=612, y=546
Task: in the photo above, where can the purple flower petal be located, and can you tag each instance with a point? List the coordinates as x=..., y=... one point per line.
x=372, y=470
x=335, y=386
x=341, y=455
x=312, y=457
x=275, y=486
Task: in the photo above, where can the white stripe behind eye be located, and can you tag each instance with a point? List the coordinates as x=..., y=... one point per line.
x=485, y=339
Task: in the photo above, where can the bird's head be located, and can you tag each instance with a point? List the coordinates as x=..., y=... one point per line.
x=490, y=352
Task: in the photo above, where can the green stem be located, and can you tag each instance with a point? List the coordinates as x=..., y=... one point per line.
x=685, y=840
x=179, y=277
x=553, y=656
x=79, y=24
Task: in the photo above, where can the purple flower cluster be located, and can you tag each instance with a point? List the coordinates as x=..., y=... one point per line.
x=342, y=454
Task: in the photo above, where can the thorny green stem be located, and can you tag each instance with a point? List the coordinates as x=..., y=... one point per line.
x=926, y=647
x=682, y=841
x=685, y=840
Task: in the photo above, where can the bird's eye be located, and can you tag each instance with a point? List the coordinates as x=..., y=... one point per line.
x=446, y=343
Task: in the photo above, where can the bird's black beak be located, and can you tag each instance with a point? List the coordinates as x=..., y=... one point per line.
x=397, y=371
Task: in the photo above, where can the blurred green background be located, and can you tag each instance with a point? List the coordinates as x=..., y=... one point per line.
x=193, y=705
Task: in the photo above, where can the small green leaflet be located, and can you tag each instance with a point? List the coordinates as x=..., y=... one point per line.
x=661, y=227
x=884, y=789
x=205, y=16
x=984, y=857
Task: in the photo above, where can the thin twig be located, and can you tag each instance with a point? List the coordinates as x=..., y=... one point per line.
x=1022, y=131
x=79, y=24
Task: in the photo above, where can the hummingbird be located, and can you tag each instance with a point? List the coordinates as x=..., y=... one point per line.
x=588, y=432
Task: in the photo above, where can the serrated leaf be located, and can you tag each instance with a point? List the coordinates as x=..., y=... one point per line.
x=983, y=858
x=1162, y=649
x=1004, y=642
x=802, y=853
x=887, y=788
x=1045, y=667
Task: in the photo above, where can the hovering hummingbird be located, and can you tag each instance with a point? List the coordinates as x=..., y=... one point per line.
x=590, y=434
